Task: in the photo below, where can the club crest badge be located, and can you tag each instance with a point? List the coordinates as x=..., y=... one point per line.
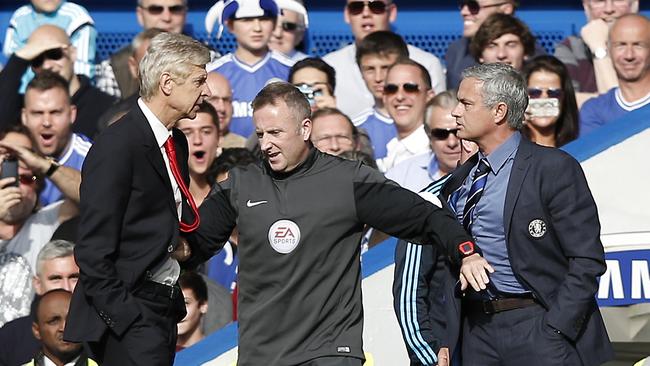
x=284, y=236
x=537, y=228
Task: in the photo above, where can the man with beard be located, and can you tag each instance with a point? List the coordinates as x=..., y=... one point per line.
x=629, y=47
x=48, y=325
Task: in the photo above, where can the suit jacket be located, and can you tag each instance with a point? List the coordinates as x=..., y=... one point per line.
x=553, y=241
x=129, y=225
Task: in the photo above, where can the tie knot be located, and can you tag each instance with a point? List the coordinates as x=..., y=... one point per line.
x=483, y=167
x=169, y=146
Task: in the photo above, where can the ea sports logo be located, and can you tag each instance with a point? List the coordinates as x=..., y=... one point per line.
x=284, y=236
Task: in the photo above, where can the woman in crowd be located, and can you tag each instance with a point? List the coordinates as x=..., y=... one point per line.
x=554, y=120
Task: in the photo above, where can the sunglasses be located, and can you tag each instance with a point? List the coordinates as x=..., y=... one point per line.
x=290, y=26
x=159, y=9
x=27, y=179
x=53, y=54
x=474, y=7
x=376, y=7
x=410, y=88
x=442, y=133
x=535, y=93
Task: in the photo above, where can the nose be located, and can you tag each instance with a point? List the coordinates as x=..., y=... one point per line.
x=501, y=53
x=380, y=75
x=206, y=92
x=453, y=141
x=457, y=111
x=366, y=10
x=166, y=15
x=464, y=11
x=265, y=143
x=334, y=144
x=257, y=25
x=67, y=285
x=609, y=6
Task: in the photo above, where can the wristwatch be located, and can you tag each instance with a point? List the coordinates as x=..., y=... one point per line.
x=466, y=249
x=600, y=53
x=54, y=165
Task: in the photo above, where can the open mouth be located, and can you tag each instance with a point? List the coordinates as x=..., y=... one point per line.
x=199, y=155
x=48, y=138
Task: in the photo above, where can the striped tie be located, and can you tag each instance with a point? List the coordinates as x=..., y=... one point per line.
x=475, y=192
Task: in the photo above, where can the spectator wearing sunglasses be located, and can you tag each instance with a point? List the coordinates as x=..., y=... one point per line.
x=365, y=17
x=505, y=39
x=586, y=56
x=290, y=29
x=629, y=48
x=548, y=78
x=407, y=92
x=113, y=75
x=74, y=18
x=252, y=64
x=419, y=171
x=27, y=226
x=375, y=54
x=49, y=49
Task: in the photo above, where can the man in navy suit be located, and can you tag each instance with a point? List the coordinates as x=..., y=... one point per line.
x=533, y=217
x=133, y=193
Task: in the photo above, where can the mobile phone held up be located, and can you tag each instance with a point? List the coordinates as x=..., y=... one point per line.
x=9, y=168
x=544, y=107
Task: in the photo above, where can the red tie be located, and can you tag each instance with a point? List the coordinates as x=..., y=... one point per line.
x=171, y=155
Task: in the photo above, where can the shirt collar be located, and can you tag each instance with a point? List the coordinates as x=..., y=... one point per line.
x=414, y=141
x=498, y=157
x=160, y=132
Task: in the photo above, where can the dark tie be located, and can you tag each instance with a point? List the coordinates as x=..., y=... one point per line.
x=475, y=192
x=170, y=149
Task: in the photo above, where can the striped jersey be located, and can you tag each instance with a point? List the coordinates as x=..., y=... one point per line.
x=72, y=157
x=246, y=81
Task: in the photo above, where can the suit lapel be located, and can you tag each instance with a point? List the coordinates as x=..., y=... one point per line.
x=458, y=176
x=154, y=154
x=520, y=168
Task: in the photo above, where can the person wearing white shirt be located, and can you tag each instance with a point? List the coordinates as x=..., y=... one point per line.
x=352, y=95
x=407, y=92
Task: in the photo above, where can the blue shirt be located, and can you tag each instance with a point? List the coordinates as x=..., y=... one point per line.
x=246, y=81
x=380, y=129
x=606, y=108
x=415, y=173
x=72, y=157
x=488, y=228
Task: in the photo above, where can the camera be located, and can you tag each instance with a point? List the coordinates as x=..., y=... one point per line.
x=309, y=92
x=9, y=168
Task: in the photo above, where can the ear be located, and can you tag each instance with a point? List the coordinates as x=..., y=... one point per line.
x=481, y=60
x=500, y=111
x=229, y=25
x=430, y=94
x=585, y=6
x=138, y=13
x=392, y=12
x=305, y=129
x=23, y=116
x=203, y=308
x=72, y=53
x=166, y=83
x=36, y=282
x=508, y=8
x=634, y=7
x=36, y=331
x=133, y=67
x=73, y=113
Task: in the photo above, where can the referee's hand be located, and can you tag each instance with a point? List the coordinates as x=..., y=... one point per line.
x=183, y=251
x=474, y=271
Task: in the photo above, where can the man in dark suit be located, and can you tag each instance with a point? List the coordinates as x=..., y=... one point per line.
x=533, y=217
x=127, y=301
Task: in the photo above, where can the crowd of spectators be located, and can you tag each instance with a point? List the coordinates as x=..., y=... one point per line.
x=378, y=99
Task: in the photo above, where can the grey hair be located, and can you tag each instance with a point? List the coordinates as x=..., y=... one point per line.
x=502, y=84
x=172, y=53
x=446, y=99
x=52, y=250
x=145, y=35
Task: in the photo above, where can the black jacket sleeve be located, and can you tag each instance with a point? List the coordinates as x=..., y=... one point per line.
x=10, y=100
x=384, y=205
